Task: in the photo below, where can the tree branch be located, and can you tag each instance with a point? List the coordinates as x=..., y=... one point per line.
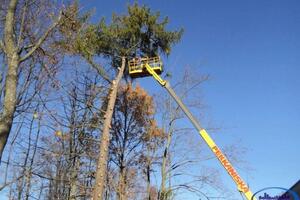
x=10, y=182
x=100, y=70
x=22, y=24
x=41, y=40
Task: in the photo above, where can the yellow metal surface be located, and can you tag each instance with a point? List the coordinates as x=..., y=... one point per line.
x=242, y=186
x=137, y=66
x=155, y=75
x=207, y=138
x=249, y=195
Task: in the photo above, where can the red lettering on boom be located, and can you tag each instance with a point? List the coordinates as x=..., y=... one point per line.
x=231, y=171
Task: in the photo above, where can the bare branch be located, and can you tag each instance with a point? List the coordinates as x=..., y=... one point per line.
x=42, y=39
x=10, y=182
x=22, y=24
x=100, y=70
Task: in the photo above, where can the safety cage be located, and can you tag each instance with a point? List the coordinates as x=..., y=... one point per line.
x=137, y=66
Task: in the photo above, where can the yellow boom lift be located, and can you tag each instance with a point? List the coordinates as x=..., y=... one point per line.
x=141, y=67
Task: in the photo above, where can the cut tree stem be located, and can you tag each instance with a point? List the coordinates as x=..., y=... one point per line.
x=104, y=144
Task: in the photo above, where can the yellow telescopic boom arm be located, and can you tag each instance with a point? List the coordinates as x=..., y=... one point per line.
x=241, y=185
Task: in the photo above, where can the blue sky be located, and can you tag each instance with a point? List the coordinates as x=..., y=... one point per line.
x=251, y=50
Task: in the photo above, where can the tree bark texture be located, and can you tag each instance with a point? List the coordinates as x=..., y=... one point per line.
x=164, y=172
x=104, y=144
x=122, y=185
x=10, y=90
x=12, y=49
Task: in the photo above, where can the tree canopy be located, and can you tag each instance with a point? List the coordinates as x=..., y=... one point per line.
x=138, y=33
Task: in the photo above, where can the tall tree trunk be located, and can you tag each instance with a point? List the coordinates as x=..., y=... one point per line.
x=74, y=180
x=28, y=185
x=164, y=174
x=122, y=184
x=9, y=104
x=74, y=157
x=148, y=181
x=103, y=155
x=148, y=173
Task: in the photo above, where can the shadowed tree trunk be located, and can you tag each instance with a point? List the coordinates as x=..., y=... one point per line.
x=103, y=155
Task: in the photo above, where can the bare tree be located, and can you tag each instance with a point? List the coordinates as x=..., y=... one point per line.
x=174, y=161
x=134, y=132
x=25, y=36
x=71, y=156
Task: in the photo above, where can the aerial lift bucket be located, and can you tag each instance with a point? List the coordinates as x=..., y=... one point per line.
x=137, y=66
